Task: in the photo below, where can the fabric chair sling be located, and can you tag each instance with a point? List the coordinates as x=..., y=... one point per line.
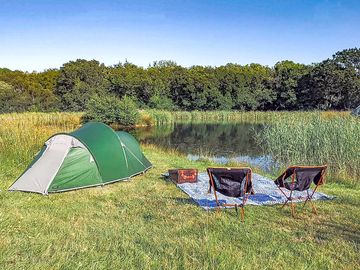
x=299, y=178
x=232, y=182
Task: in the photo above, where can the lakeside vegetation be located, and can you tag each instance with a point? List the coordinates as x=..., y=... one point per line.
x=316, y=140
x=148, y=223
x=289, y=137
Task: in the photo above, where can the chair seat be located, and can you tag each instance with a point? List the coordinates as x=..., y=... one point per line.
x=300, y=178
x=291, y=186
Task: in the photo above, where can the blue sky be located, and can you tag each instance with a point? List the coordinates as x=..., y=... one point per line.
x=35, y=35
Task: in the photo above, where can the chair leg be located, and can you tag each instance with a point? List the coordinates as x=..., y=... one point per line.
x=292, y=205
x=285, y=203
x=309, y=199
x=242, y=214
x=306, y=201
x=218, y=208
x=313, y=207
x=288, y=198
x=292, y=209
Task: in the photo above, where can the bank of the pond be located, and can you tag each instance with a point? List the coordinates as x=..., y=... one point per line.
x=153, y=117
x=148, y=223
x=289, y=137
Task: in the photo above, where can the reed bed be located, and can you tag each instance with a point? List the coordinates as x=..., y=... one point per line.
x=316, y=139
x=152, y=117
x=251, y=116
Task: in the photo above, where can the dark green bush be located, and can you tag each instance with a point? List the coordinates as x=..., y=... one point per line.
x=111, y=110
x=161, y=103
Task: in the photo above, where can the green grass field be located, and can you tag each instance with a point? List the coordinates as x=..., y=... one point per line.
x=147, y=223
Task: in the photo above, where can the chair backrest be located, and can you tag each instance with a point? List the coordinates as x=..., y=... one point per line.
x=232, y=182
x=301, y=177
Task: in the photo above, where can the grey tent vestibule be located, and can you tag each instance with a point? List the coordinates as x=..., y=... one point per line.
x=92, y=155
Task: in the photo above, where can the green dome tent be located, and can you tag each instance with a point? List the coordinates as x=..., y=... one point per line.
x=90, y=156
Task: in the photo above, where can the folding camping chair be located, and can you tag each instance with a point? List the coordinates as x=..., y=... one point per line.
x=232, y=182
x=301, y=179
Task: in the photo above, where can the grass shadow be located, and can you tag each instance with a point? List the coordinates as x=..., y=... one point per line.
x=331, y=228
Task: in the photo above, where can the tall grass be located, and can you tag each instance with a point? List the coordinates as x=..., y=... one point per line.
x=152, y=117
x=316, y=140
x=22, y=135
x=251, y=116
x=220, y=116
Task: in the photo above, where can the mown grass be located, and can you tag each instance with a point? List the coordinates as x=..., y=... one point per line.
x=148, y=223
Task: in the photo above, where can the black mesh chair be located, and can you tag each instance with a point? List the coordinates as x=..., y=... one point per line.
x=300, y=178
x=232, y=182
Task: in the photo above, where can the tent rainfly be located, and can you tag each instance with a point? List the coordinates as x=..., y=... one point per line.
x=93, y=155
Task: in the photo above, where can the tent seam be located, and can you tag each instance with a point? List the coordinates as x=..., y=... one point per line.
x=57, y=171
x=134, y=155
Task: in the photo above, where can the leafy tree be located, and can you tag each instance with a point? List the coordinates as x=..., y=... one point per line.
x=160, y=74
x=285, y=84
x=29, y=91
x=334, y=83
x=162, y=103
x=78, y=81
x=111, y=110
x=8, y=98
x=331, y=84
x=179, y=91
x=348, y=65
x=318, y=89
x=254, y=87
x=202, y=92
x=130, y=80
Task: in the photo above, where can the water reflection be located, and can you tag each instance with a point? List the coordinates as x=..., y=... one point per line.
x=220, y=142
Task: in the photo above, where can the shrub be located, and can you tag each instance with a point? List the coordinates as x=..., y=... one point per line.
x=146, y=119
x=112, y=111
x=161, y=103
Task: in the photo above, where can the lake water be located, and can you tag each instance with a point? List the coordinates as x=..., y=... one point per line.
x=221, y=142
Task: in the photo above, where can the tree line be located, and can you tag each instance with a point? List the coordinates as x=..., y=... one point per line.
x=331, y=84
